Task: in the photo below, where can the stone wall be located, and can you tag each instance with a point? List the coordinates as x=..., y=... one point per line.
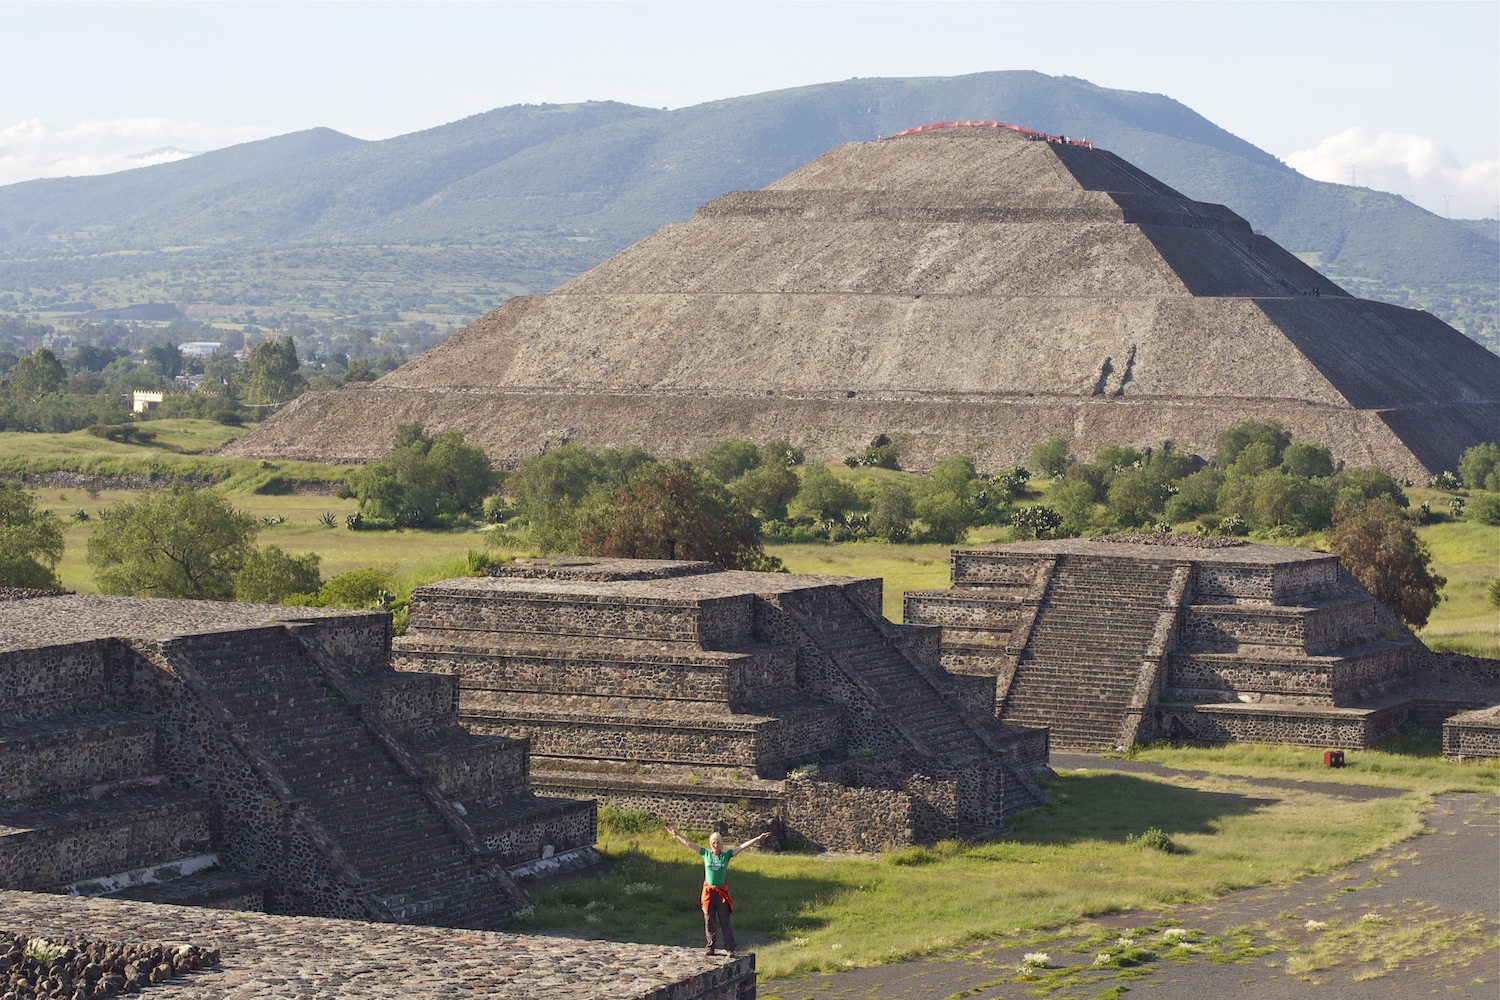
x=839, y=817
x=542, y=831
x=46, y=763
x=486, y=772
x=277, y=956
x=1472, y=734
x=410, y=704
x=1347, y=730
x=981, y=568
x=559, y=615
x=1284, y=583
x=1314, y=631
x=743, y=808
x=53, y=680
x=739, y=679
x=103, y=840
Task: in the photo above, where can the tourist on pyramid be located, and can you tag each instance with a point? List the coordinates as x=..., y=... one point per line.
x=717, y=906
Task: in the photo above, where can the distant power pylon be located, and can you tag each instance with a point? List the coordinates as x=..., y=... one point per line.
x=1447, y=201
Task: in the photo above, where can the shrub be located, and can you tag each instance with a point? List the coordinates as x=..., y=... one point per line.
x=1153, y=839
x=626, y=821
x=1035, y=522
x=1485, y=508
x=1480, y=467
x=1444, y=481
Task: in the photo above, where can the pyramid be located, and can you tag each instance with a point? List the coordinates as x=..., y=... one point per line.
x=967, y=287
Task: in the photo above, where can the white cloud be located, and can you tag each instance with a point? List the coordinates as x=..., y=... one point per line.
x=1420, y=169
x=31, y=148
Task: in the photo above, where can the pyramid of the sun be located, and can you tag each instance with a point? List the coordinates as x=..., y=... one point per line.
x=963, y=289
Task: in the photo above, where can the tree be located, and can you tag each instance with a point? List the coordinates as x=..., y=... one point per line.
x=422, y=480
x=91, y=358
x=1134, y=498
x=36, y=375
x=1303, y=458
x=358, y=588
x=765, y=491
x=164, y=359
x=550, y=488
x=178, y=542
x=31, y=541
x=1051, y=457
x=1381, y=549
x=892, y=511
x=270, y=576
x=1368, y=483
x=1196, y=494
x=1233, y=440
x=1480, y=467
x=948, y=517
x=673, y=511
x=823, y=496
x=272, y=373
x=731, y=458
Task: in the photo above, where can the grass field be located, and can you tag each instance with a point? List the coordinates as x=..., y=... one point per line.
x=1063, y=864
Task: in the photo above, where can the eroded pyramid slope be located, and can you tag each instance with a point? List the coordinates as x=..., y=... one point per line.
x=971, y=289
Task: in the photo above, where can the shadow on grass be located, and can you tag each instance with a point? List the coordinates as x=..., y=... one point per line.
x=1114, y=806
x=646, y=900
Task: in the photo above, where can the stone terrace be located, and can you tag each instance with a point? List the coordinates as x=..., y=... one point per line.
x=719, y=697
x=1109, y=641
x=301, y=958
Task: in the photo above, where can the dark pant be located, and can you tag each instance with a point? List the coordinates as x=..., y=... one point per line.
x=718, y=910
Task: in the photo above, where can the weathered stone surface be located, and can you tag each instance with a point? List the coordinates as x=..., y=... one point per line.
x=261, y=955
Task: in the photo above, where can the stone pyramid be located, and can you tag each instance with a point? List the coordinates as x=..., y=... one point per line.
x=965, y=288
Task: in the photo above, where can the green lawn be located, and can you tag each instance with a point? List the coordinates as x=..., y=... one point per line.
x=1064, y=863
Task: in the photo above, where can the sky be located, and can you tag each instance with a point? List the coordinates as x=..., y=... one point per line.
x=1396, y=96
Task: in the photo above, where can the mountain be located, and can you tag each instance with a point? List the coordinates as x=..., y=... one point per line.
x=457, y=218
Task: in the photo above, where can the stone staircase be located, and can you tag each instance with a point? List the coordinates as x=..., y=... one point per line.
x=1115, y=640
x=1092, y=634
x=388, y=831
x=920, y=703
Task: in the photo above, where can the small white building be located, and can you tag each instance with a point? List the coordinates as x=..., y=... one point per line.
x=145, y=400
x=200, y=348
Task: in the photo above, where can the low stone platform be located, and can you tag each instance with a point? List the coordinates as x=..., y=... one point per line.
x=1110, y=641
x=722, y=698
x=1472, y=734
x=301, y=958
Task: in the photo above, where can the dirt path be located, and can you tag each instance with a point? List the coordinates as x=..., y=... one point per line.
x=1416, y=920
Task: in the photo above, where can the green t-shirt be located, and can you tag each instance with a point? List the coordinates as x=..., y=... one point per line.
x=715, y=866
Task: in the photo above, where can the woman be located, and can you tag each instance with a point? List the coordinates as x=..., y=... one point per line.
x=717, y=906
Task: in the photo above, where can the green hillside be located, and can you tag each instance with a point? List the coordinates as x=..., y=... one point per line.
x=455, y=219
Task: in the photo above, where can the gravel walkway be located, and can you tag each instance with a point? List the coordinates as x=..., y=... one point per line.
x=1416, y=920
